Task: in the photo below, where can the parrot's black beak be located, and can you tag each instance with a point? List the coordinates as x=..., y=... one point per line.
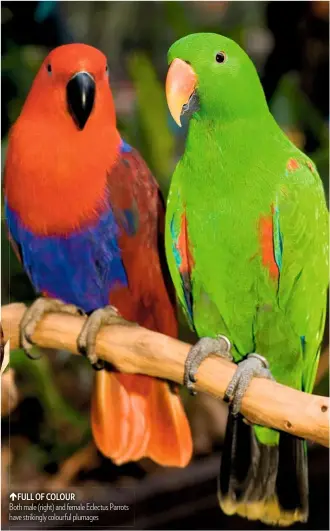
x=80, y=93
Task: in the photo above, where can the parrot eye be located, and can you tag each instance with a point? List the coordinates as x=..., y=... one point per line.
x=106, y=68
x=49, y=68
x=220, y=57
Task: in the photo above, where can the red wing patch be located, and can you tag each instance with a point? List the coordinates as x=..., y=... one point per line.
x=183, y=246
x=292, y=165
x=310, y=166
x=267, y=246
x=184, y=261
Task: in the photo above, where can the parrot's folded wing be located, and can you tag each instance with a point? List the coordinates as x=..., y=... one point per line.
x=179, y=256
x=139, y=210
x=301, y=217
x=132, y=192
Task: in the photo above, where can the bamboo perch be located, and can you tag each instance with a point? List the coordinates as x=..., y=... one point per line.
x=138, y=350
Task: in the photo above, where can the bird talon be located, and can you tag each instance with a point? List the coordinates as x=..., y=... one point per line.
x=98, y=365
x=235, y=412
x=31, y=357
x=226, y=398
x=34, y=314
x=260, y=358
x=82, y=350
x=206, y=346
x=253, y=365
x=228, y=345
x=28, y=338
x=191, y=390
x=86, y=342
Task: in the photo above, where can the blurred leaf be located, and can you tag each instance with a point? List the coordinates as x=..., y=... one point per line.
x=176, y=17
x=4, y=145
x=21, y=64
x=157, y=145
x=322, y=388
x=292, y=107
x=40, y=378
x=293, y=110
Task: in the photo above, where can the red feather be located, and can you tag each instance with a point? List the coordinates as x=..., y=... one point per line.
x=292, y=165
x=267, y=246
x=183, y=246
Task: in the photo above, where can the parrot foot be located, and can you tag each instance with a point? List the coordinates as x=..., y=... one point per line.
x=253, y=365
x=199, y=352
x=35, y=313
x=86, y=341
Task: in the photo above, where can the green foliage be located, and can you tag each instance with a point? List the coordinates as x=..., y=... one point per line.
x=21, y=64
x=292, y=108
x=66, y=427
x=156, y=141
x=322, y=388
x=13, y=279
x=41, y=383
x=176, y=17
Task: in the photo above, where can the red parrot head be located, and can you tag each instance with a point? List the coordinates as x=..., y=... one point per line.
x=73, y=83
x=64, y=142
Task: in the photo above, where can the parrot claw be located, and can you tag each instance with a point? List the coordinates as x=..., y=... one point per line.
x=205, y=347
x=253, y=365
x=86, y=341
x=35, y=313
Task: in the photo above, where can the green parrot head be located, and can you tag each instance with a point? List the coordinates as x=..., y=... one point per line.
x=211, y=76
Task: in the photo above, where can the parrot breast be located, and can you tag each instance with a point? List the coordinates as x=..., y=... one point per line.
x=55, y=180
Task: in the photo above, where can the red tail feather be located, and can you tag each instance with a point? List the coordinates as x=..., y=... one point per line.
x=138, y=416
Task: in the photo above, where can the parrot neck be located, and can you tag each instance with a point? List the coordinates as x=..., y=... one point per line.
x=230, y=147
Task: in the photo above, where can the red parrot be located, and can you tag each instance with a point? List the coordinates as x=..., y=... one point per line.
x=86, y=217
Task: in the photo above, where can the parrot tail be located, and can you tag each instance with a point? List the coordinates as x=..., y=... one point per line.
x=139, y=416
x=263, y=482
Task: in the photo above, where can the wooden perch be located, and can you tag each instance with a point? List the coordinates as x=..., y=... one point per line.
x=138, y=350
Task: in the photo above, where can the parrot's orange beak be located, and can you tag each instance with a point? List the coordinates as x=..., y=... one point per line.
x=181, y=82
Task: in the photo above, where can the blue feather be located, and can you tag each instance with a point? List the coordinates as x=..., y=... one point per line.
x=80, y=268
x=132, y=221
x=303, y=343
x=175, y=249
x=278, y=240
x=185, y=278
x=124, y=147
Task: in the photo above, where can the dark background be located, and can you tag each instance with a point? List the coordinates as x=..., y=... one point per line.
x=46, y=441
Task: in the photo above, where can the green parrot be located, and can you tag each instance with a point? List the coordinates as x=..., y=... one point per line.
x=247, y=248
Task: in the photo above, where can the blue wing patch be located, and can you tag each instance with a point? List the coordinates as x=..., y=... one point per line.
x=175, y=249
x=124, y=147
x=185, y=276
x=278, y=240
x=80, y=268
x=131, y=221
